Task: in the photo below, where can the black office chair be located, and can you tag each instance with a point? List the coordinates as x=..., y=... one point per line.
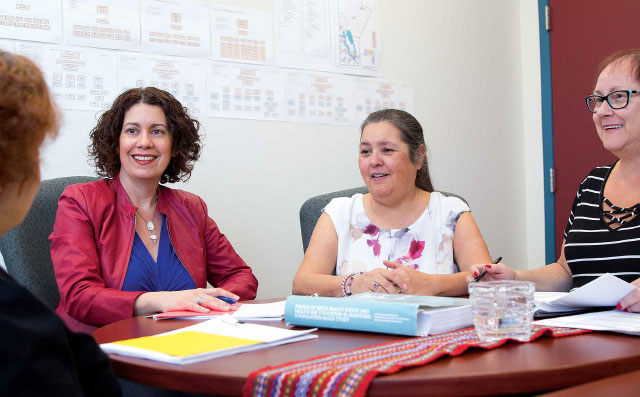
x=312, y=209
x=25, y=248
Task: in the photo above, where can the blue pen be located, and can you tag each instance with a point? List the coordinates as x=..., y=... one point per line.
x=228, y=300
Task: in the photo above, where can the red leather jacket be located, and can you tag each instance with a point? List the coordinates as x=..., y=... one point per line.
x=91, y=247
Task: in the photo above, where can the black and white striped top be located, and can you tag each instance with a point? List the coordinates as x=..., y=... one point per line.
x=592, y=248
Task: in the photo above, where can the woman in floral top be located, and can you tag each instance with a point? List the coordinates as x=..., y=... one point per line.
x=402, y=236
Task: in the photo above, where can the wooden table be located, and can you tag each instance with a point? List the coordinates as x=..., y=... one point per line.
x=544, y=365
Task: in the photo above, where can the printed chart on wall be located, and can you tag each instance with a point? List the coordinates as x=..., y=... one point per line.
x=316, y=97
x=356, y=37
x=80, y=78
x=302, y=34
x=241, y=35
x=369, y=95
x=245, y=91
x=184, y=78
x=31, y=20
x=175, y=27
x=96, y=23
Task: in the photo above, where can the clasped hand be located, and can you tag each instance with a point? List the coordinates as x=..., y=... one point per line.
x=395, y=279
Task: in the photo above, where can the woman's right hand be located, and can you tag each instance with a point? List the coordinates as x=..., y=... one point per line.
x=495, y=271
x=366, y=282
x=200, y=300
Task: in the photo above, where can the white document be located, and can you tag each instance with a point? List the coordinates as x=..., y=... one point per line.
x=245, y=91
x=606, y=290
x=261, y=311
x=610, y=320
x=316, y=97
x=175, y=27
x=37, y=20
x=80, y=78
x=241, y=35
x=369, y=95
x=7, y=45
x=98, y=23
x=184, y=78
x=302, y=34
x=355, y=37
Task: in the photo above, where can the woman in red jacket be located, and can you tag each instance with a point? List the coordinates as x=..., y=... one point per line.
x=127, y=245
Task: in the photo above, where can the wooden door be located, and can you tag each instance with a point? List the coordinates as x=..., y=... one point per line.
x=582, y=33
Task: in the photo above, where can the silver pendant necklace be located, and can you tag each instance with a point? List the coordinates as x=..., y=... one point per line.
x=150, y=226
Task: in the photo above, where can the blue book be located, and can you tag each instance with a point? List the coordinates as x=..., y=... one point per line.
x=413, y=315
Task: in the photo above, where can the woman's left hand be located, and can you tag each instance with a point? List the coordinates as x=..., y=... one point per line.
x=631, y=302
x=409, y=280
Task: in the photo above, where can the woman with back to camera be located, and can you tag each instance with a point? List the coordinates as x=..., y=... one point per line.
x=127, y=245
x=402, y=236
x=603, y=231
x=38, y=354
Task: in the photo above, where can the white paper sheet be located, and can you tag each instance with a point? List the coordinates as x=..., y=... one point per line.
x=106, y=24
x=175, y=27
x=37, y=20
x=369, y=95
x=610, y=320
x=302, y=34
x=261, y=311
x=316, y=97
x=184, y=78
x=241, y=35
x=606, y=290
x=80, y=78
x=245, y=91
x=355, y=37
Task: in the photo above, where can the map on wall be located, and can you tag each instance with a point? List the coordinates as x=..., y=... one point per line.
x=356, y=37
x=36, y=20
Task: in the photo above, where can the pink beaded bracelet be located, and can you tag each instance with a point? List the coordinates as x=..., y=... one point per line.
x=347, y=281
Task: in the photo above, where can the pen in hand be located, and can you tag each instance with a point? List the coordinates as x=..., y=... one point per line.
x=484, y=271
x=228, y=300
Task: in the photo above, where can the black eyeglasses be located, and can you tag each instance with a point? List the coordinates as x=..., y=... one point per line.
x=617, y=100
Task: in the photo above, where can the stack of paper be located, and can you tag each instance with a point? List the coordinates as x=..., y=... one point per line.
x=214, y=338
x=261, y=311
x=605, y=291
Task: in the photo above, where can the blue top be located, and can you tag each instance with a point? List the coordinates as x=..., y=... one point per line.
x=168, y=274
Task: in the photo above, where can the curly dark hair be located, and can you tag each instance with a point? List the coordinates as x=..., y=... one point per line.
x=186, y=140
x=411, y=134
x=27, y=116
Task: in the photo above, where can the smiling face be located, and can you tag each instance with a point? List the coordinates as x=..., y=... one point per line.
x=385, y=164
x=619, y=129
x=145, y=144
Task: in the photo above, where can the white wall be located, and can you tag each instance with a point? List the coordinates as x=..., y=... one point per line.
x=472, y=66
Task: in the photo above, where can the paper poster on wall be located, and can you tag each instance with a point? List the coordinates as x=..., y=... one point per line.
x=245, y=91
x=316, y=97
x=98, y=23
x=370, y=95
x=241, y=35
x=35, y=20
x=355, y=37
x=302, y=34
x=80, y=78
x=184, y=78
x=175, y=27
x=7, y=45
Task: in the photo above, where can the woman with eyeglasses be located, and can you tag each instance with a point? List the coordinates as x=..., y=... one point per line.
x=603, y=231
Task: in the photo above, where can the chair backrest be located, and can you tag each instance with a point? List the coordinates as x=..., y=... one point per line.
x=312, y=209
x=25, y=248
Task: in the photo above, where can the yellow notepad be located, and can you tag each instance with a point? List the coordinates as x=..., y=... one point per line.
x=187, y=343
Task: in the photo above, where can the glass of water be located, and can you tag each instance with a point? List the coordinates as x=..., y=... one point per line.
x=502, y=309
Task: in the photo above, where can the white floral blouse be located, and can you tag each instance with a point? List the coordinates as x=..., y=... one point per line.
x=427, y=244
